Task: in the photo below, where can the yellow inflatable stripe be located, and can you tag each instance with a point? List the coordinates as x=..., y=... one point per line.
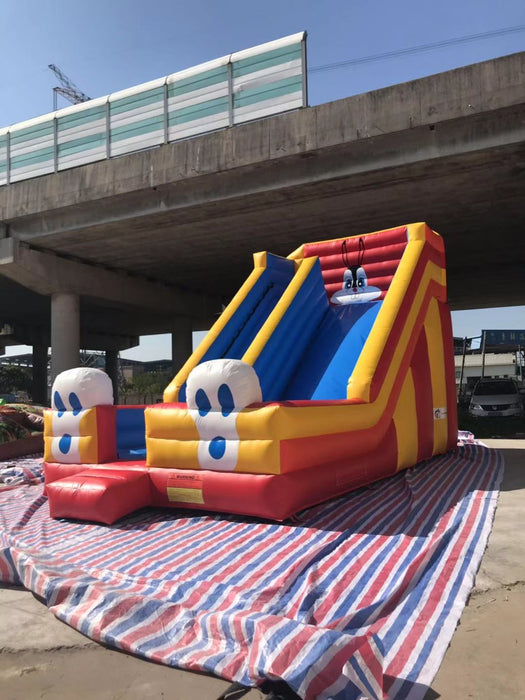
x=48, y=456
x=170, y=424
x=297, y=254
x=359, y=382
x=275, y=317
x=405, y=421
x=437, y=373
x=260, y=456
x=48, y=422
x=87, y=432
x=87, y=448
x=418, y=232
x=171, y=454
x=88, y=422
x=256, y=456
x=432, y=273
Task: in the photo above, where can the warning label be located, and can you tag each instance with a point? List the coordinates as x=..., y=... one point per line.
x=185, y=489
x=185, y=495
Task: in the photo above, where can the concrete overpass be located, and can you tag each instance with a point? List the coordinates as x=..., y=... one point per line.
x=155, y=241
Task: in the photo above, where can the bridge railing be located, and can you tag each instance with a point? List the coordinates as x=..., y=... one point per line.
x=250, y=84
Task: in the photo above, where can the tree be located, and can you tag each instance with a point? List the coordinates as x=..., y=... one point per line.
x=13, y=379
x=149, y=385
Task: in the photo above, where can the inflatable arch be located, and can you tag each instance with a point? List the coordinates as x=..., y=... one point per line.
x=329, y=369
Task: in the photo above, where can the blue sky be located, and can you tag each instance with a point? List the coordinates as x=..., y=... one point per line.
x=108, y=45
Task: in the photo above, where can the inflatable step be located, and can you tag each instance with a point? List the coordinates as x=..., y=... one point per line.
x=101, y=495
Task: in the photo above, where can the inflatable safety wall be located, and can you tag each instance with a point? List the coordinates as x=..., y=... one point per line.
x=330, y=369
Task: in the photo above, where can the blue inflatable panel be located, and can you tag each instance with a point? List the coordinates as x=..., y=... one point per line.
x=253, y=311
x=129, y=455
x=327, y=364
x=131, y=433
x=288, y=343
x=248, y=332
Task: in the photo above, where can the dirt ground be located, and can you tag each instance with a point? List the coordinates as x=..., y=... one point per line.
x=486, y=659
x=42, y=658
x=94, y=672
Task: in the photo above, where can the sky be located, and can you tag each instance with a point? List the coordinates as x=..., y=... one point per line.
x=108, y=45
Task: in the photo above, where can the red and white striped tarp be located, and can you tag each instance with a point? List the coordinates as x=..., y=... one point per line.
x=357, y=598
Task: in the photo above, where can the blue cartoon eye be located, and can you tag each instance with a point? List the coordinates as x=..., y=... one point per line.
x=64, y=444
x=361, y=278
x=59, y=404
x=203, y=402
x=75, y=403
x=217, y=447
x=226, y=399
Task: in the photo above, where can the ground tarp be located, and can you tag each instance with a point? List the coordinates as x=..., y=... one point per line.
x=356, y=598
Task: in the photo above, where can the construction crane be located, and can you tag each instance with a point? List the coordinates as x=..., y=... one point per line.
x=68, y=90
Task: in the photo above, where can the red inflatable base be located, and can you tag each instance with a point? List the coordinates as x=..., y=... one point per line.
x=95, y=493
x=101, y=495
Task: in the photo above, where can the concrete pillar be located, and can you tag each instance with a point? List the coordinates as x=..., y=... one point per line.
x=65, y=332
x=39, y=385
x=112, y=371
x=181, y=342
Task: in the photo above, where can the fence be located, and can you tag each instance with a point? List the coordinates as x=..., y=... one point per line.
x=258, y=82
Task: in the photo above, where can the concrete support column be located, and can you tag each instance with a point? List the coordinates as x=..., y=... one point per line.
x=181, y=341
x=112, y=371
x=65, y=332
x=39, y=384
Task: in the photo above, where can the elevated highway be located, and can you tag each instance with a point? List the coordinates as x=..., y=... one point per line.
x=157, y=240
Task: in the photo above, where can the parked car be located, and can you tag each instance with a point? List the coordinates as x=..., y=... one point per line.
x=496, y=397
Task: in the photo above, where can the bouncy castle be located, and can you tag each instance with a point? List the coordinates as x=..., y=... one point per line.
x=330, y=369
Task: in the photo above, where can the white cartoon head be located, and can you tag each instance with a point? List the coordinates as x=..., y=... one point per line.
x=74, y=391
x=355, y=287
x=80, y=388
x=216, y=391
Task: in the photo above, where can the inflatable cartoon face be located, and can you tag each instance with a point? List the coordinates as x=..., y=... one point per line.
x=74, y=392
x=355, y=288
x=216, y=391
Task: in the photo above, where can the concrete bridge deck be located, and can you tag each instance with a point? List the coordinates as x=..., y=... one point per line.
x=448, y=149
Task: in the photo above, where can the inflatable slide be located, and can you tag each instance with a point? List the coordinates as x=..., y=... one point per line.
x=330, y=369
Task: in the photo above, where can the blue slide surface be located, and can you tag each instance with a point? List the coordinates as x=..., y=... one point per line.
x=332, y=353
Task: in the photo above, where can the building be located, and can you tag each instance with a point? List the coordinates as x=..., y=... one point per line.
x=497, y=365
